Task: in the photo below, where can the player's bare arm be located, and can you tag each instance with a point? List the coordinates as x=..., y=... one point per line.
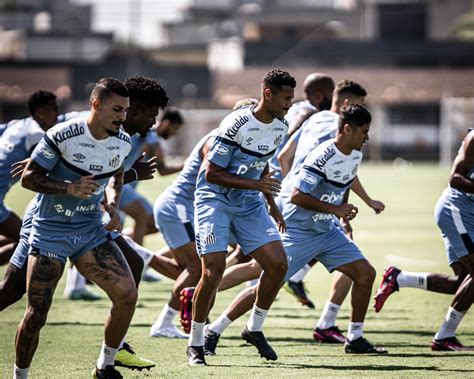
x=359, y=189
x=218, y=175
x=303, y=200
x=35, y=179
x=286, y=156
x=462, y=163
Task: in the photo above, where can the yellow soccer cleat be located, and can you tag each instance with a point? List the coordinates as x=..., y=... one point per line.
x=127, y=358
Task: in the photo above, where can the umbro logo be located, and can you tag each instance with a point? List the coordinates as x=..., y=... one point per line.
x=79, y=157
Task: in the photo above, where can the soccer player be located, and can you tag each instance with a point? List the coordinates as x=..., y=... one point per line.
x=17, y=141
x=131, y=202
x=312, y=230
x=227, y=200
x=174, y=217
x=70, y=168
x=454, y=217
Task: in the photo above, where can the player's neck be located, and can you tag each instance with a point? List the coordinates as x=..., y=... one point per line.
x=95, y=129
x=262, y=115
x=343, y=146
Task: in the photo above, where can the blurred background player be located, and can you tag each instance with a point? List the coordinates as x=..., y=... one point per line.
x=17, y=141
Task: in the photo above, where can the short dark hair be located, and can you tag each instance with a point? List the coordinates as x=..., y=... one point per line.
x=38, y=99
x=105, y=87
x=355, y=115
x=275, y=79
x=146, y=91
x=173, y=115
x=344, y=87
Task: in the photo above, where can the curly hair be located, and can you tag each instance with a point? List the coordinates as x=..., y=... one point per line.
x=355, y=115
x=38, y=99
x=349, y=87
x=275, y=79
x=146, y=91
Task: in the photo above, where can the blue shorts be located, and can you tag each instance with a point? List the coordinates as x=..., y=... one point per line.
x=63, y=247
x=215, y=220
x=333, y=249
x=4, y=211
x=174, y=218
x=455, y=218
x=130, y=194
x=20, y=255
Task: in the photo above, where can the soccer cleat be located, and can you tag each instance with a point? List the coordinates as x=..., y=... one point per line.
x=186, y=308
x=258, y=340
x=127, y=358
x=329, y=335
x=196, y=356
x=210, y=341
x=83, y=294
x=298, y=289
x=448, y=344
x=362, y=346
x=109, y=372
x=167, y=332
x=388, y=286
x=150, y=276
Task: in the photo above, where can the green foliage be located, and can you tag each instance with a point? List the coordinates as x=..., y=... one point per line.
x=404, y=235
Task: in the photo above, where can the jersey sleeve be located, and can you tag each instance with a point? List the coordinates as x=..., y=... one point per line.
x=46, y=154
x=308, y=179
x=33, y=138
x=224, y=145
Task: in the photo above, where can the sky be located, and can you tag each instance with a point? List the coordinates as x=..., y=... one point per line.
x=134, y=20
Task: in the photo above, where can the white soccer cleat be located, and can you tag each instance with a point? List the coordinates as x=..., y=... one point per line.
x=167, y=332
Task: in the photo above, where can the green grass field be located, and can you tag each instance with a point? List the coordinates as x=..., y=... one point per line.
x=404, y=235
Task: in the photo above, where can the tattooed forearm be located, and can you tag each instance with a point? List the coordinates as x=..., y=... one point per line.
x=114, y=188
x=34, y=178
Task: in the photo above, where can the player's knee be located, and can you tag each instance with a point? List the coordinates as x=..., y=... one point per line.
x=125, y=296
x=368, y=275
x=34, y=319
x=212, y=276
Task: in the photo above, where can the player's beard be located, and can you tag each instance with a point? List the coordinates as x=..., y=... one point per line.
x=325, y=105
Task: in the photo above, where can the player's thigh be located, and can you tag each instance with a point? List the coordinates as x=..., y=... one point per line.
x=271, y=256
x=468, y=264
x=106, y=266
x=187, y=256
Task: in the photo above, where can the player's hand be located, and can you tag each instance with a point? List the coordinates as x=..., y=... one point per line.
x=115, y=222
x=346, y=225
x=145, y=168
x=346, y=211
x=17, y=168
x=376, y=205
x=278, y=217
x=84, y=188
x=268, y=185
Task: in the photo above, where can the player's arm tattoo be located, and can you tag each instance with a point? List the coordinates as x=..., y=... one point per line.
x=35, y=179
x=114, y=188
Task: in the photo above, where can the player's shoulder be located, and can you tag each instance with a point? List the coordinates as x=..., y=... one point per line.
x=123, y=136
x=67, y=130
x=234, y=122
x=321, y=155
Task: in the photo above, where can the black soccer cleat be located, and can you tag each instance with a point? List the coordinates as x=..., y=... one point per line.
x=258, y=340
x=298, y=290
x=109, y=372
x=196, y=356
x=362, y=346
x=210, y=341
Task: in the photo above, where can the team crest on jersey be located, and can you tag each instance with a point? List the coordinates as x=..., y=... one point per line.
x=45, y=152
x=115, y=161
x=278, y=140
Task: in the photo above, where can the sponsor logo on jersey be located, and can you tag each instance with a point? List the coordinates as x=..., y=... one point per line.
x=278, y=140
x=328, y=154
x=278, y=129
x=308, y=178
x=253, y=129
x=89, y=145
x=47, y=153
x=79, y=157
x=332, y=197
x=59, y=208
x=263, y=147
x=239, y=122
x=338, y=162
x=258, y=165
x=222, y=150
x=113, y=147
x=73, y=130
x=322, y=217
x=96, y=167
x=115, y=161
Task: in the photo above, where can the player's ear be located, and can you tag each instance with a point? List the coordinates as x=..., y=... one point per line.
x=95, y=103
x=347, y=128
x=267, y=93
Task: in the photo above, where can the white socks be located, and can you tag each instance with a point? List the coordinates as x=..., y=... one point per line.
x=106, y=357
x=143, y=252
x=20, y=373
x=257, y=318
x=328, y=316
x=196, y=338
x=450, y=324
x=412, y=279
x=220, y=324
x=299, y=276
x=355, y=330
x=165, y=319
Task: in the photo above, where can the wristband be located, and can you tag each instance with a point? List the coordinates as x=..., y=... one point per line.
x=136, y=175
